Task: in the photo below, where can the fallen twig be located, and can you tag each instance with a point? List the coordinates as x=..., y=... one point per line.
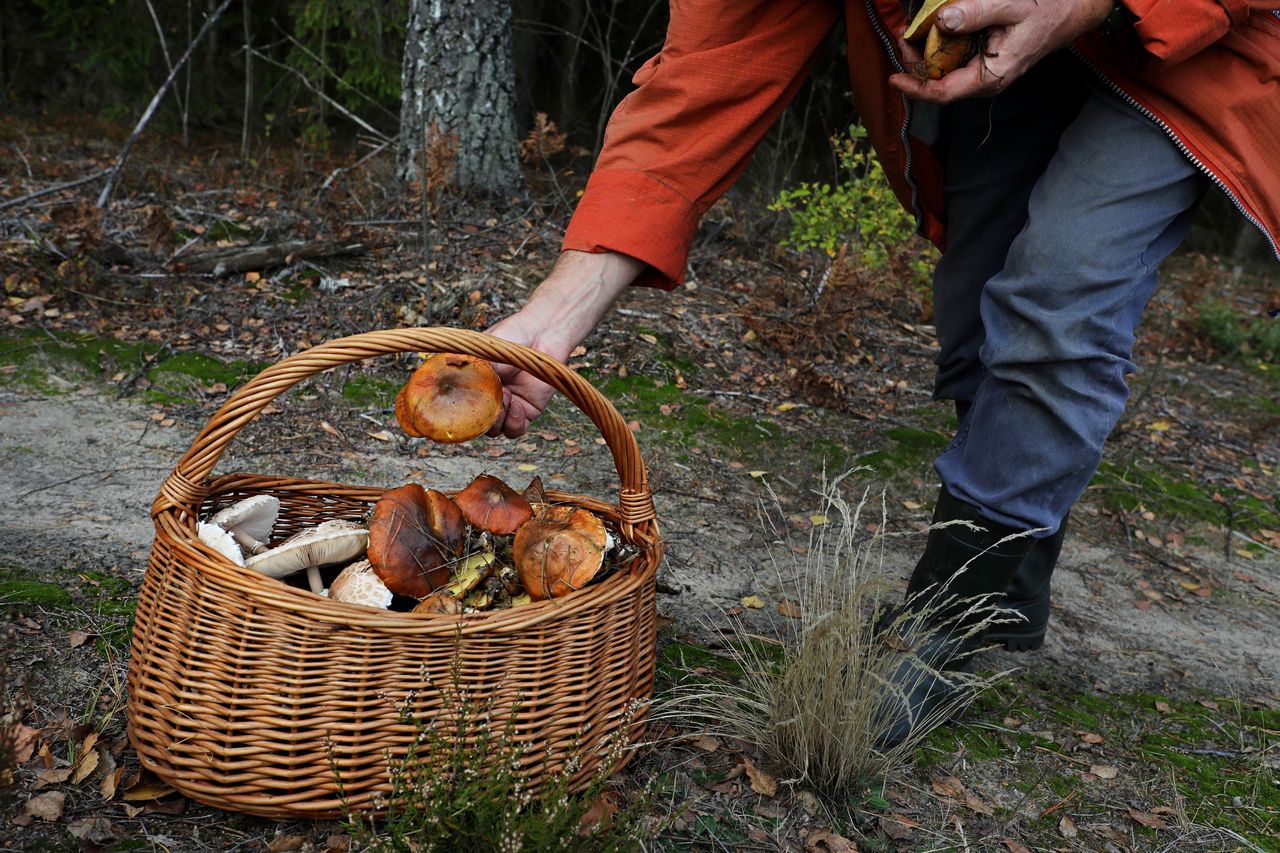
x=246, y=258
x=53, y=189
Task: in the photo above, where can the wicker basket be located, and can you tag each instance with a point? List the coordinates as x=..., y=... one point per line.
x=250, y=695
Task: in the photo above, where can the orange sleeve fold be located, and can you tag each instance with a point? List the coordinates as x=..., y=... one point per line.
x=1172, y=30
x=684, y=135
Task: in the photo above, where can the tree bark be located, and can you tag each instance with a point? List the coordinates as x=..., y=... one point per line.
x=459, y=93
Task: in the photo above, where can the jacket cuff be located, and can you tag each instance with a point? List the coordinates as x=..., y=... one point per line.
x=1172, y=30
x=636, y=215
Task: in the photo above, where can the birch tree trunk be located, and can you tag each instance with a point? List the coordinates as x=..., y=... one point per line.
x=459, y=86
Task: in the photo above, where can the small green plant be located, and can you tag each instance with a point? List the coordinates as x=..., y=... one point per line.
x=817, y=705
x=463, y=786
x=1233, y=332
x=859, y=213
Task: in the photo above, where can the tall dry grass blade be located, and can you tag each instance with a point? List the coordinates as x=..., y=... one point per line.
x=817, y=703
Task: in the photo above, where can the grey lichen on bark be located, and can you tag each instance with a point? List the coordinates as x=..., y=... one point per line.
x=459, y=85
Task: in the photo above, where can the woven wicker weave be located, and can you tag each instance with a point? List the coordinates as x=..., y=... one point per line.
x=248, y=694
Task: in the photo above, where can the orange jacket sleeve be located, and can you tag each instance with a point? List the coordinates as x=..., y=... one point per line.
x=1172, y=30
x=683, y=136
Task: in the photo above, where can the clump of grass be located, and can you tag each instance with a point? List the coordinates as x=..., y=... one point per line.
x=818, y=704
x=464, y=786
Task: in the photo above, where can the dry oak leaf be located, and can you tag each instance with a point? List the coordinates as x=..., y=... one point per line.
x=285, y=843
x=46, y=806
x=897, y=826
x=789, y=608
x=827, y=841
x=762, y=782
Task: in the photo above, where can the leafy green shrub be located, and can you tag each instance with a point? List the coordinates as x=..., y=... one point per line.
x=1230, y=331
x=859, y=213
x=462, y=787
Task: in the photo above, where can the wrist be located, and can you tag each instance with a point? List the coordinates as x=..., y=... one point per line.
x=575, y=297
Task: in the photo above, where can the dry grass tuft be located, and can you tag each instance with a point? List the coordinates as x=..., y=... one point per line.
x=817, y=702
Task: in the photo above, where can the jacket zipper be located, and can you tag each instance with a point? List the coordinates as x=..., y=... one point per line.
x=1186, y=152
x=904, y=139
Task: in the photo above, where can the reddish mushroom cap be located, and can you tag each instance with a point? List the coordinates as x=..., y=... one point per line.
x=558, y=551
x=404, y=552
x=446, y=523
x=450, y=398
x=490, y=504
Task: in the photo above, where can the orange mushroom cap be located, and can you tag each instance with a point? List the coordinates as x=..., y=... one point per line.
x=450, y=398
x=403, y=550
x=559, y=551
x=490, y=504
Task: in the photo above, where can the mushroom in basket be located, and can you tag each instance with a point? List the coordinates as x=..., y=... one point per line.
x=413, y=535
x=559, y=551
x=491, y=505
x=331, y=543
x=358, y=583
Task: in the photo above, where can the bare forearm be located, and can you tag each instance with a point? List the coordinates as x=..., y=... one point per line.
x=575, y=296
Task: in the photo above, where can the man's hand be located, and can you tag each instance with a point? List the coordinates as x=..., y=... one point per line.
x=1019, y=34
x=559, y=315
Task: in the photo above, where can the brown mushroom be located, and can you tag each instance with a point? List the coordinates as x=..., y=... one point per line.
x=450, y=398
x=446, y=522
x=404, y=551
x=559, y=551
x=943, y=52
x=491, y=505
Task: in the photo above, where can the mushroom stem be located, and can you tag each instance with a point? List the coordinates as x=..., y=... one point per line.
x=314, y=580
x=247, y=542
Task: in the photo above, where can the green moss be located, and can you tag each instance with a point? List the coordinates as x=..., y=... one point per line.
x=913, y=451
x=691, y=421
x=56, y=363
x=1145, y=483
x=371, y=392
x=678, y=659
x=22, y=591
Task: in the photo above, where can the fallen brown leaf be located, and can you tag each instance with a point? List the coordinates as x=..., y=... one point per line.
x=827, y=841
x=1148, y=820
x=706, y=743
x=285, y=843
x=762, y=782
x=77, y=638
x=789, y=608
x=144, y=791
x=1102, y=771
x=1067, y=827
x=96, y=830
x=601, y=811
x=24, y=740
x=898, y=827
x=1014, y=846
x=46, y=806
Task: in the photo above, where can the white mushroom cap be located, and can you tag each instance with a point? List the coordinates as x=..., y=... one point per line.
x=220, y=540
x=250, y=521
x=359, y=584
x=332, y=542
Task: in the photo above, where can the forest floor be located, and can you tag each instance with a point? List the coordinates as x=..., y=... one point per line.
x=1150, y=720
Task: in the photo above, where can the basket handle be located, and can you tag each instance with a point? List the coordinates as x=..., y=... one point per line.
x=184, y=485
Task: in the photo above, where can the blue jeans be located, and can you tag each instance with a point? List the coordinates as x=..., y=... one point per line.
x=1062, y=203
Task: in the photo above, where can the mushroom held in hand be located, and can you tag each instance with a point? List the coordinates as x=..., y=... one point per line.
x=943, y=52
x=359, y=584
x=559, y=551
x=250, y=521
x=330, y=543
x=450, y=398
x=408, y=540
x=491, y=505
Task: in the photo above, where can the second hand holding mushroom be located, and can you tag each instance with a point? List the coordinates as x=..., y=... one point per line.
x=558, y=316
x=1019, y=34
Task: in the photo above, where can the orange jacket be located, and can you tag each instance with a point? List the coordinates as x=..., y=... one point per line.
x=1207, y=71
